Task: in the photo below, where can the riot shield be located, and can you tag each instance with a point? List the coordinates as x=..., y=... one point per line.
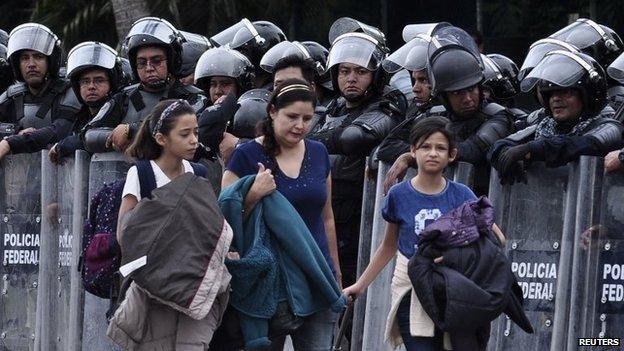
x=379, y=295
x=20, y=219
x=597, y=298
x=364, y=253
x=537, y=219
x=104, y=168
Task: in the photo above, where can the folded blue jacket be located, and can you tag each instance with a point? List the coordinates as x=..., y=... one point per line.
x=274, y=240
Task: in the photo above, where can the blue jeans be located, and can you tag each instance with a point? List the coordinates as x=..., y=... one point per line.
x=316, y=333
x=416, y=343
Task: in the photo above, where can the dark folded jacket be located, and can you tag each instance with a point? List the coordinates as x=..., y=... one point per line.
x=474, y=284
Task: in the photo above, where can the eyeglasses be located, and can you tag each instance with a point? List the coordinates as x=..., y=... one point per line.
x=97, y=81
x=155, y=62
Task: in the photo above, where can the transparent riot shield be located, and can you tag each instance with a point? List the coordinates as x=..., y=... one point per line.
x=364, y=253
x=20, y=219
x=63, y=190
x=104, y=168
x=538, y=221
x=597, y=298
x=379, y=295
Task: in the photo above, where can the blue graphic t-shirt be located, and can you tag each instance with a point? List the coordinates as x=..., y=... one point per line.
x=413, y=210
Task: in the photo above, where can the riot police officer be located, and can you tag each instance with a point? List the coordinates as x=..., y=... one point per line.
x=573, y=88
x=354, y=125
x=221, y=71
x=600, y=42
x=40, y=98
x=154, y=50
x=456, y=75
x=95, y=72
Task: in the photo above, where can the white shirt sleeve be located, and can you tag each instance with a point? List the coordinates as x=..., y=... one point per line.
x=132, y=186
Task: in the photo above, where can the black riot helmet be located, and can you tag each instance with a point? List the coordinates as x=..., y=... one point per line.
x=593, y=39
x=252, y=110
x=193, y=47
x=360, y=44
x=36, y=37
x=89, y=55
x=319, y=54
x=4, y=37
x=562, y=69
x=255, y=40
x=224, y=62
x=362, y=50
x=454, y=61
x=500, y=76
x=153, y=31
x=6, y=73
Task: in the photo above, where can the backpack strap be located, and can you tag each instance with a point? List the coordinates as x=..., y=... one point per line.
x=199, y=170
x=147, y=179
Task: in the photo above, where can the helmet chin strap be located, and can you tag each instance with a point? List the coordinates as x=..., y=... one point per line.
x=159, y=85
x=98, y=103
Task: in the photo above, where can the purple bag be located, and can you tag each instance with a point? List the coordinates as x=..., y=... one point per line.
x=101, y=255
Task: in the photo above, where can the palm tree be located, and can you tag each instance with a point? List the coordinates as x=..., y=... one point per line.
x=128, y=11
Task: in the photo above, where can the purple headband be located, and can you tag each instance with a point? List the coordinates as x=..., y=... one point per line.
x=166, y=114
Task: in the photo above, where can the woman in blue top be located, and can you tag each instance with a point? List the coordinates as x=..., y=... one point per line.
x=299, y=169
x=410, y=206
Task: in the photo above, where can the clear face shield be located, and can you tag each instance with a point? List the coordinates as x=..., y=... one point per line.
x=538, y=50
x=412, y=56
x=280, y=51
x=90, y=54
x=355, y=48
x=557, y=67
x=31, y=36
x=154, y=27
x=222, y=62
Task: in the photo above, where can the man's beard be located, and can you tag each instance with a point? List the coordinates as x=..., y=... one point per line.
x=97, y=103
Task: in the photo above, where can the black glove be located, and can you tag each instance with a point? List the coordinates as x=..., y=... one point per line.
x=509, y=157
x=516, y=174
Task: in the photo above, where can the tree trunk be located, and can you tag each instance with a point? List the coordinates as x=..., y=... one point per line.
x=126, y=12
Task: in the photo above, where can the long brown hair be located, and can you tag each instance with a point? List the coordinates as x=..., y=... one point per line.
x=162, y=119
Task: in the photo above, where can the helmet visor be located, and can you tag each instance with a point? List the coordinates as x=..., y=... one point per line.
x=490, y=69
x=356, y=50
x=538, y=50
x=90, y=54
x=411, y=31
x=281, y=50
x=31, y=36
x=411, y=56
x=616, y=69
x=246, y=34
x=196, y=40
x=221, y=62
x=154, y=27
x=555, y=68
x=580, y=34
x=402, y=80
x=346, y=25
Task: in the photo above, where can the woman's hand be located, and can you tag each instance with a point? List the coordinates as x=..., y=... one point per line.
x=264, y=184
x=353, y=291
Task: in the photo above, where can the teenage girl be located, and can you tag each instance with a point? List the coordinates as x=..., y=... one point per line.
x=167, y=138
x=409, y=207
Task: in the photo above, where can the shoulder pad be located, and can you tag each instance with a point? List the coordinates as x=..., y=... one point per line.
x=69, y=99
x=320, y=109
x=3, y=97
x=437, y=109
x=130, y=88
x=523, y=134
x=492, y=108
x=16, y=89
